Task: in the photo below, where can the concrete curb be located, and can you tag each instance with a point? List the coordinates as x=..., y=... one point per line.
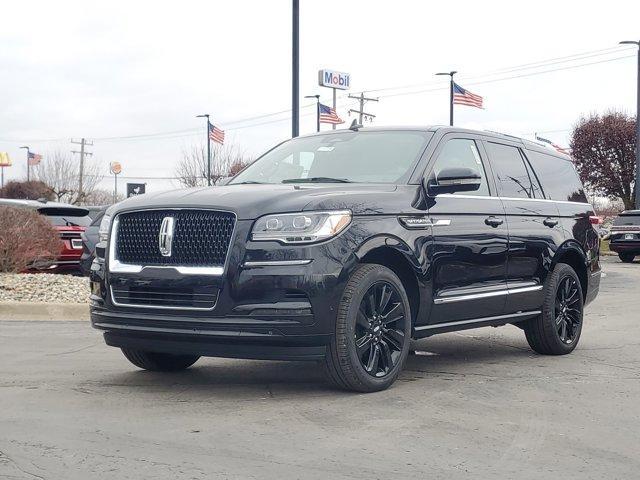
x=21, y=311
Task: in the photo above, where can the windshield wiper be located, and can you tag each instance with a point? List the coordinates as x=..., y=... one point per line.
x=248, y=182
x=70, y=224
x=316, y=180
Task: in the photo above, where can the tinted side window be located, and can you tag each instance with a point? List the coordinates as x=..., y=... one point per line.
x=535, y=183
x=462, y=152
x=559, y=178
x=511, y=174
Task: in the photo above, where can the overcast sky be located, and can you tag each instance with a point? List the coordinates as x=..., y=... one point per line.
x=125, y=69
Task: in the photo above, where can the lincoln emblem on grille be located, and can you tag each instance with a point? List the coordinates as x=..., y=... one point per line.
x=165, y=238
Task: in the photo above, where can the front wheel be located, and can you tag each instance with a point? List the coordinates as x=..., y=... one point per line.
x=557, y=329
x=159, y=362
x=626, y=257
x=372, y=334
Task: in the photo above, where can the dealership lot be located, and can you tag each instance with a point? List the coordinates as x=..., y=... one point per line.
x=468, y=405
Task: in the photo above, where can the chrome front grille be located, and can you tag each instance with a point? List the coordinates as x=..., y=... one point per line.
x=201, y=238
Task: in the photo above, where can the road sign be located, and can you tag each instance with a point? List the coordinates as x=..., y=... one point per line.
x=331, y=79
x=134, y=189
x=5, y=161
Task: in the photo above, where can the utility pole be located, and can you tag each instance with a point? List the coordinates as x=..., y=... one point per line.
x=295, y=69
x=637, y=183
x=451, y=83
x=361, y=111
x=83, y=143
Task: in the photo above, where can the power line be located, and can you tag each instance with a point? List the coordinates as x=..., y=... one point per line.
x=227, y=125
x=531, y=74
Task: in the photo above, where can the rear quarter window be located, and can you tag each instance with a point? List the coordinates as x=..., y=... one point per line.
x=558, y=176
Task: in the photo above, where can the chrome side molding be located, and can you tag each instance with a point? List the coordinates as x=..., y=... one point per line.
x=476, y=296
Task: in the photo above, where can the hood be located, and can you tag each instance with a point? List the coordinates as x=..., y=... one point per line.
x=249, y=202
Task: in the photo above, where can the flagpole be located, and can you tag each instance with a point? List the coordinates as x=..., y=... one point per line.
x=208, y=152
x=451, y=74
x=206, y=116
x=451, y=101
x=27, y=162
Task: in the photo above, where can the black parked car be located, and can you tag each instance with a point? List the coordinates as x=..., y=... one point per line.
x=339, y=247
x=625, y=235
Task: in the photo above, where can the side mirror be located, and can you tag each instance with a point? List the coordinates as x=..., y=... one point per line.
x=454, y=179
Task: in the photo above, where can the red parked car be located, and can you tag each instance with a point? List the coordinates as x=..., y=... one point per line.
x=69, y=220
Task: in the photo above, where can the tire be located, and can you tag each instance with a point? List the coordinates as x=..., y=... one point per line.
x=545, y=332
x=626, y=257
x=371, y=340
x=159, y=362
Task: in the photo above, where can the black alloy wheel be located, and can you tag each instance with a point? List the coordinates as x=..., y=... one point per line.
x=372, y=333
x=556, y=331
x=380, y=329
x=568, y=309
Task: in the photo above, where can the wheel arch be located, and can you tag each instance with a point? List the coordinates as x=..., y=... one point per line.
x=399, y=258
x=572, y=253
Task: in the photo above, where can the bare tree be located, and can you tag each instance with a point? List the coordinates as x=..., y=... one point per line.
x=226, y=160
x=603, y=148
x=100, y=196
x=60, y=171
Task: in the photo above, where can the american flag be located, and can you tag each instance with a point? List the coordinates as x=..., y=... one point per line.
x=216, y=134
x=33, y=159
x=465, y=97
x=329, y=115
x=557, y=147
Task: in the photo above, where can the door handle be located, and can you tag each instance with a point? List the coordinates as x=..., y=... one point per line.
x=493, y=221
x=550, y=222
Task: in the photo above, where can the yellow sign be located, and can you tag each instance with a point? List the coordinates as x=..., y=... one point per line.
x=5, y=161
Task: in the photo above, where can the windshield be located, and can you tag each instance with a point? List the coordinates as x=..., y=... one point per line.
x=369, y=157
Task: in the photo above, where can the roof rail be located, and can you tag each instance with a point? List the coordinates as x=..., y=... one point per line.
x=505, y=134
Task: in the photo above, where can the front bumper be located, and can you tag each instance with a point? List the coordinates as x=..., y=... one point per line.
x=265, y=312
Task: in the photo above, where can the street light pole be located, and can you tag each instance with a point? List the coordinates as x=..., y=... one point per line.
x=317, y=97
x=295, y=69
x=637, y=183
x=28, y=168
x=451, y=74
x=206, y=115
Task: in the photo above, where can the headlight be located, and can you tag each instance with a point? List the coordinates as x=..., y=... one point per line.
x=303, y=227
x=105, y=225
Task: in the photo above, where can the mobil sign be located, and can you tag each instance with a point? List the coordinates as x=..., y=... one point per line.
x=331, y=79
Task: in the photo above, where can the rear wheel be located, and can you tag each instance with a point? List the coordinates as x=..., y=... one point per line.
x=159, y=362
x=626, y=257
x=557, y=330
x=373, y=329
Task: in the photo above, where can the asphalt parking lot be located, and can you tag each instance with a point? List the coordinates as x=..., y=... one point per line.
x=475, y=404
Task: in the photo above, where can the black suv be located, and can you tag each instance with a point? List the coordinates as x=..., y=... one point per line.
x=340, y=247
x=625, y=235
